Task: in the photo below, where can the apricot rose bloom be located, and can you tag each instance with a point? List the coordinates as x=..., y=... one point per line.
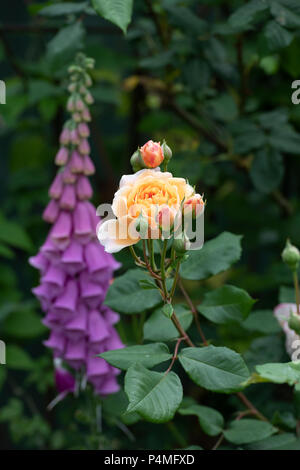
x=152, y=154
x=145, y=194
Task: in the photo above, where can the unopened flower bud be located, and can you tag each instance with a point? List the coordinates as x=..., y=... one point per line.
x=152, y=154
x=62, y=156
x=83, y=130
x=64, y=137
x=166, y=218
x=193, y=206
x=71, y=104
x=166, y=151
x=72, y=87
x=294, y=322
x=181, y=244
x=142, y=226
x=86, y=115
x=291, y=256
x=136, y=161
x=88, y=98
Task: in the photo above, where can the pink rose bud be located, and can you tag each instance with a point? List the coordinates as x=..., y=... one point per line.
x=166, y=218
x=62, y=156
x=194, y=205
x=74, y=137
x=64, y=138
x=86, y=115
x=76, y=162
x=83, y=130
x=152, y=154
x=84, y=147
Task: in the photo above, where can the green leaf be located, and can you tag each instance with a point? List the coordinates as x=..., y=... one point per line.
x=66, y=41
x=245, y=431
x=168, y=310
x=215, y=368
x=66, y=8
x=276, y=36
x=147, y=354
x=118, y=12
x=159, y=328
x=267, y=170
x=262, y=321
x=285, y=139
x=286, y=295
x=126, y=296
x=247, y=14
x=284, y=16
x=17, y=358
x=6, y=252
x=226, y=304
x=216, y=256
x=210, y=420
x=13, y=234
x=154, y=395
x=284, y=441
x=280, y=372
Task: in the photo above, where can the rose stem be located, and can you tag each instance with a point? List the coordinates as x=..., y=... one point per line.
x=296, y=284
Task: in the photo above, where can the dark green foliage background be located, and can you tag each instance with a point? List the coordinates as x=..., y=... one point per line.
x=215, y=82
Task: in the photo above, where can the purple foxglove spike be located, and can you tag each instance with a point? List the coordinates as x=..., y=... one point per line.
x=109, y=386
x=96, y=366
x=71, y=104
x=82, y=223
x=57, y=342
x=114, y=340
x=97, y=327
x=61, y=230
x=51, y=212
x=95, y=219
x=64, y=137
x=93, y=294
x=55, y=275
x=79, y=105
x=76, y=162
x=64, y=380
x=95, y=257
x=88, y=166
x=53, y=320
x=67, y=301
x=110, y=316
x=67, y=175
x=77, y=117
x=56, y=187
x=43, y=292
x=39, y=261
x=76, y=328
x=72, y=259
x=76, y=352
x=86, y=116
x=68, y=197
x=88, y=98
x=50, y=250
x=83, y=188
x=84, y=147
x=74, y=137
x=83, y=130
x=62, y=156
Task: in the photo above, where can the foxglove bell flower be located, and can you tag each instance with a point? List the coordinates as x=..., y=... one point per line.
x=74, y=268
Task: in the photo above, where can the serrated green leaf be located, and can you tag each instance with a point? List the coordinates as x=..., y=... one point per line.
x=245, y=431
x=154, y=395
x=280, y=372
x=147, y=354
x=66, y=41
x=159, y=328
x=216, y=256
x=126, y=296
x=119, y=12
x=277, y=37
x=247, y=14
x=226, y=304
x=215, y=368
x=262, y=321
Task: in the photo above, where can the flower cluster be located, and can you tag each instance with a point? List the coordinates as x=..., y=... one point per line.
x=149, y=203
x=75, y=270
x=283, y=313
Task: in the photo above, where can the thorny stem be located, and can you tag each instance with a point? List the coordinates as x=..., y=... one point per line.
x=296, y=284
x=137, y=259
x=176, y=276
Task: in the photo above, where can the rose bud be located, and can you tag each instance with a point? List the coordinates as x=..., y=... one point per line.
x=193, y=206
x=151, y=154
x=291, y=256
x=166, y=151
x=165, y=219
x=181, y=244
x=294, y=322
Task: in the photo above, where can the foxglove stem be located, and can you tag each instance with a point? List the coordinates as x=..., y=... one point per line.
x=296, y=284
